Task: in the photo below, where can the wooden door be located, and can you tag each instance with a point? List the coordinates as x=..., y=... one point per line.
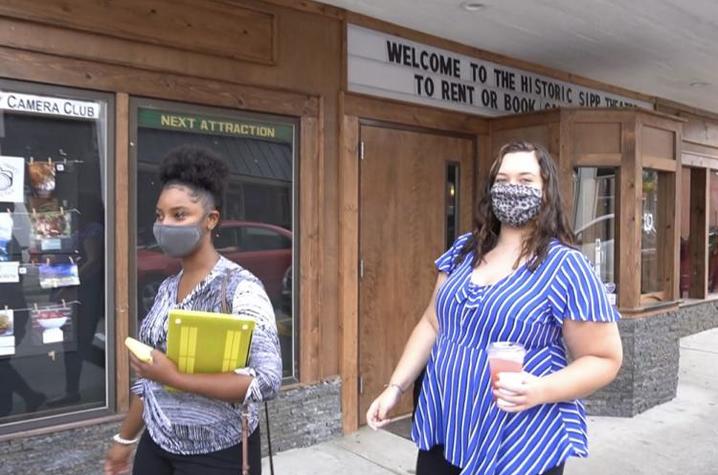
x=403, y=227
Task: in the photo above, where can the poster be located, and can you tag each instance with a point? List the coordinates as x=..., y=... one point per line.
x=12, y=179
x=52, y=232
x=42, y=178
x=6, y=224
x=7, y=333
x=51, y=325
x=9, y=272
x=53, y=276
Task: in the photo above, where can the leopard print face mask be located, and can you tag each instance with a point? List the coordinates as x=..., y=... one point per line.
x=515, y=205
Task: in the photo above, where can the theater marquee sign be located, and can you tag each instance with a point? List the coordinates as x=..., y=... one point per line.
x=384, y=65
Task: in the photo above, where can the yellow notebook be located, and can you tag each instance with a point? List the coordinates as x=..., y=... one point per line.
x=207, y=342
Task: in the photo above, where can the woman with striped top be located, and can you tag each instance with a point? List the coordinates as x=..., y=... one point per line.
x=199, y=428
x=515, y=278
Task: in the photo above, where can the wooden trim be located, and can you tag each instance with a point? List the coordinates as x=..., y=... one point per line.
x=698, y=235
x=698, y=142
x=369, y=107
x=674, y=286
x=438, y=42
x=32, y=66
x=668, y=219
x=652, y=118
x=660, y=164
x=70, y=16
x=310, y=268
x=689, y=302
x=65, y=43
x=698, y=161
x=698, y=148
x=348, y=270
x=628, y=253
x=653, y=297
x=607, y=160
x=564, y=145
x=675, y=108
x=483, y=165
x=122, y=234
x=527, y=119
x=344, y=81
x=659, y=120
x=649, y=310
x=414, y=128
x=51, y=429
x=308, y=6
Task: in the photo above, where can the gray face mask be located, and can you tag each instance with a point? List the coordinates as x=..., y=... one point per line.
x=515, y=205
x=178, y=241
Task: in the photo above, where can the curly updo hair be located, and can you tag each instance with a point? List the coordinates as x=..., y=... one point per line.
x=199, y=169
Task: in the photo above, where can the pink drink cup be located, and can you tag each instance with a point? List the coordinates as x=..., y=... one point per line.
x=505, y=357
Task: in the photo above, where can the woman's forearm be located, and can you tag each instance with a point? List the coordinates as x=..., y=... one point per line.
x=133, y=423
x=228, y=387
x=416, y=354
x=579, y=379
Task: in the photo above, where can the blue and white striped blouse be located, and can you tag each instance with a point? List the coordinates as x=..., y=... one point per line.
x=187, y=423
x=456, y=407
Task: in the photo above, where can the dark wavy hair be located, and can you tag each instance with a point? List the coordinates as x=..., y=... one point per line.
x=198, y=168
x=551, y=222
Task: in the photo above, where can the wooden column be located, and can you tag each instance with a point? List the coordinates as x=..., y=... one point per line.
x=311, y=263
x=349, y=271
x=668, y=252
x=561, y=148
x=628, y=212
x=698, y=236
x=122, y=236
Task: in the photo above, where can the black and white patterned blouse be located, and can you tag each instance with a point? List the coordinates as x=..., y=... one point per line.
x=187, y=423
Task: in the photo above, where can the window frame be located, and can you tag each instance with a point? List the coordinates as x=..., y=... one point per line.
x=111, y=376
x=135, y=104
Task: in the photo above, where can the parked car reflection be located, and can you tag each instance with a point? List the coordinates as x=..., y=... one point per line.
x=263, y=249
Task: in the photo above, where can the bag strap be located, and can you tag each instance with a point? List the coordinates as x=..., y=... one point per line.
x=269, y=439
x=245, y=422
x=224, y=306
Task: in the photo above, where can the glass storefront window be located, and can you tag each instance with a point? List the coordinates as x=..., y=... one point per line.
x=651, y=237
x=257, y=225
x=713, y=234
x=686, y=269
x=53, y=253
x=594, y=219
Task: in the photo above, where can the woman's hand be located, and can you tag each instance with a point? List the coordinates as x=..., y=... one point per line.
x=376, y=416
x=117, y=459
x=516, y=392
x=161, y=370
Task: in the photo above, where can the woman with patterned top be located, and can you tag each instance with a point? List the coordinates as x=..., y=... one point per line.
x=197, y=429
x=514, y=279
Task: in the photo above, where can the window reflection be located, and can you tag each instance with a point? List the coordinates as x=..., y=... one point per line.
x=713, y=234
x=650, y=235
x=53, y=329
x=256, y=230
x=594, y=219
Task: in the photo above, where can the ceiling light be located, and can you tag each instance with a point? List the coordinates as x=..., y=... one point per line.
x=699, y=84
x=472, y=6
